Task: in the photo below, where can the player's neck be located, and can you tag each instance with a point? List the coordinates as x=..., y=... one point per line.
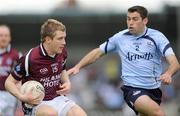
x=48, y=50
x=2, y=50
x=141, y=32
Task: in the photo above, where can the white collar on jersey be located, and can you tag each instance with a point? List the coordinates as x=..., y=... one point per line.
x=42, y=49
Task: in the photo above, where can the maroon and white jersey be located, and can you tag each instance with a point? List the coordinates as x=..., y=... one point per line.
x=8, y=58
x=37, y=65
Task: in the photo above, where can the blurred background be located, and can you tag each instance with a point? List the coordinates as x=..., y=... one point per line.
x=89, y=23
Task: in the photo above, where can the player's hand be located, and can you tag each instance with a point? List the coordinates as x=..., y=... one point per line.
x=73, y=71
x=64, y=88
x=30, y=99
x=166, y=78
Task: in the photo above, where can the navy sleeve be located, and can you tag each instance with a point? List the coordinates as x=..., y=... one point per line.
x=19, y=69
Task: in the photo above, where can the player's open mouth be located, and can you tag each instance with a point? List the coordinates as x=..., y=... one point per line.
x=61, y=48
x=131, y=28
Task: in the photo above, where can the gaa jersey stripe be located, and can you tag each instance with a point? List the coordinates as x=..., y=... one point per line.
x=166, y=47
x=106, y=46
x=27, y=63
x=42, y=49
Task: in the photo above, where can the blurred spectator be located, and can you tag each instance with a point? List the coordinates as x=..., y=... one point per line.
x=67, y=5
x=8, y=59
x=107, y=83
x=81, y=91
x=71, y=3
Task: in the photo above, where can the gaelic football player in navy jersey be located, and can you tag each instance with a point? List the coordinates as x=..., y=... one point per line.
x=140, y=49
x=46, y=63
x=8, y=58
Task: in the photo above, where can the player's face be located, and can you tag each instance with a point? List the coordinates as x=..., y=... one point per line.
x=58, y=42
x=135, y=23
x=4, y=37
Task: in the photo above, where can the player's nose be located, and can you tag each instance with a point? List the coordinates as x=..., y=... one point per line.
x=64, y=42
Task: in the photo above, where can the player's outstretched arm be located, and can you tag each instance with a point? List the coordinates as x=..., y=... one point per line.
x=166, y=78
x=91, y=57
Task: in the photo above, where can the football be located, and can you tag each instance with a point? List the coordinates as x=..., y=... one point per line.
x=36, y=87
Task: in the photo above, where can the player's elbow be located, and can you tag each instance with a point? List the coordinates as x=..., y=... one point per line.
x=177, y=65
x=97, y=53
x=8, y=82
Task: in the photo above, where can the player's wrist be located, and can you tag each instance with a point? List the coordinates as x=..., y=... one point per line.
x=168, y=73
x=78, y=66
x=21, y=97
x=68, y=82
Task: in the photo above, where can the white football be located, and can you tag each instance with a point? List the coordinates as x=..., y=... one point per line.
x=37, y=88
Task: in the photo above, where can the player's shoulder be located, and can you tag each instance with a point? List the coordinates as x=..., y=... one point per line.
x=154, y=32
x=31, y=53
x=121, y=33
x=34, y=52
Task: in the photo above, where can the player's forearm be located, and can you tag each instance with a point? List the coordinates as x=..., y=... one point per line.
x=64, y=77
x=173, y=65
x=89, y=58
x=11, y=86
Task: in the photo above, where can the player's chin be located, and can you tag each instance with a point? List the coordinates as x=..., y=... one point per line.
x=4, y=45
x=59, y=51
x=132, y=31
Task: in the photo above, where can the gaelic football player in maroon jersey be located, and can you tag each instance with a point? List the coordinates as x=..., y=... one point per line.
x=8, y=58
x=46, y=63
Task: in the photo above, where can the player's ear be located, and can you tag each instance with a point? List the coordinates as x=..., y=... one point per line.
x=145, y=21
x=47, y=38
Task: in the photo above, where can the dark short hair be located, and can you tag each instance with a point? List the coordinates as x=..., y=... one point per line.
x=50, y=27
x=140, y=9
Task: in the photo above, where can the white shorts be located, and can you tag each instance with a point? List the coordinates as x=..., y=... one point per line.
x=8, y=103
x=61, y=103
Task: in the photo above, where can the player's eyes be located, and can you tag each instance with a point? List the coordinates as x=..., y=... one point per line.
x=128, y=19
x=135, y=19
x=60, y=38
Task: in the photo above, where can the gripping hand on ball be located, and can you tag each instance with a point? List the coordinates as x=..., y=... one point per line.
x=31, y=99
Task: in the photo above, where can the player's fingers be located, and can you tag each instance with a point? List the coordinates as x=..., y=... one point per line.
x=63, y=91
x=70, y=72
x=161, y=77
x=167, y=81
x=60, y=92
x=39, y=96
x=31, y=90
x=62, y=86
x=29, y=95
x=37, y=99
x=75, y=71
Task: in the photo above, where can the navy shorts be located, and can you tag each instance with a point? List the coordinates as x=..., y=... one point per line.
x=131, y=94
